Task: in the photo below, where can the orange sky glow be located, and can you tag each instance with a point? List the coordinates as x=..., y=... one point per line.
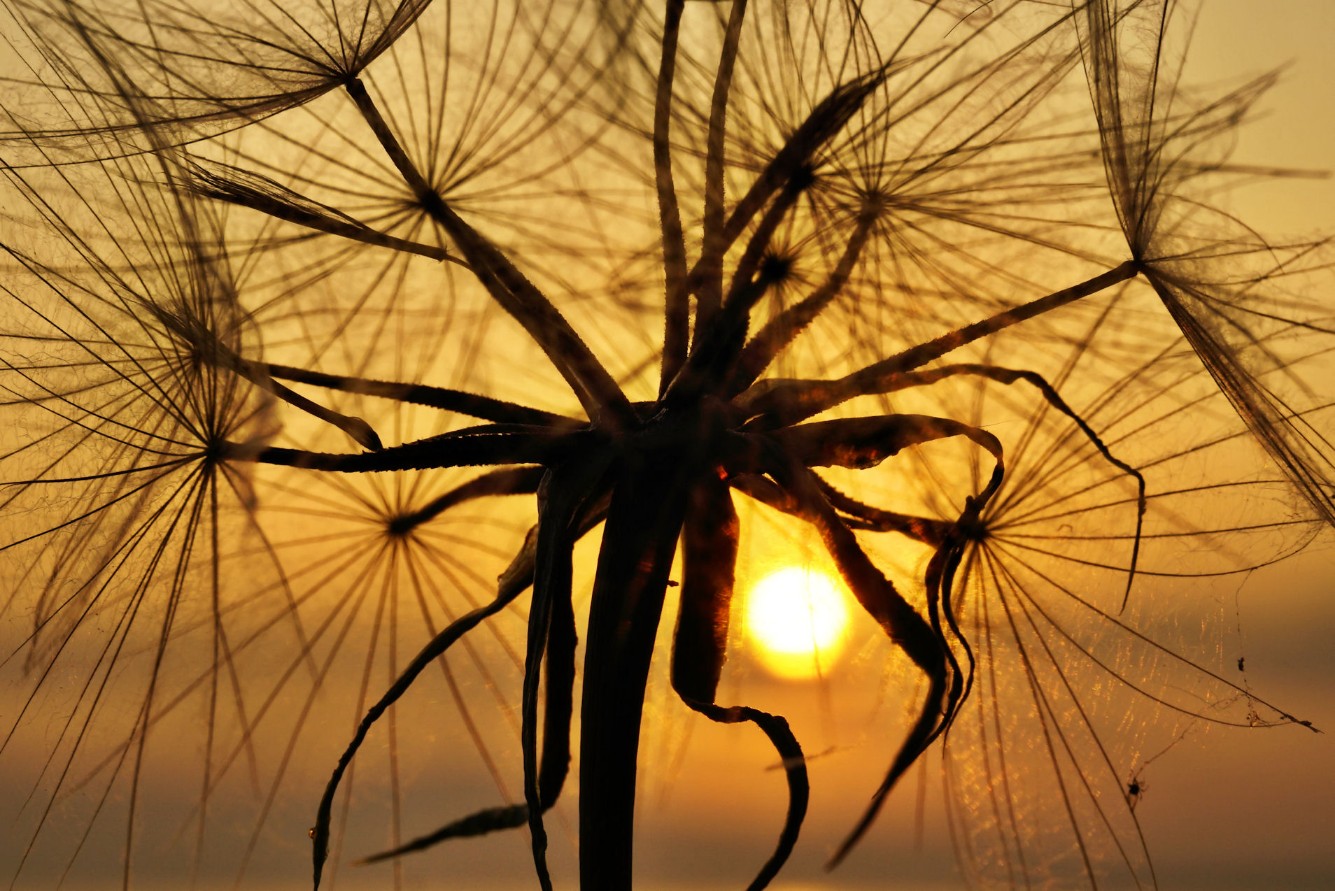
x=1221, y=808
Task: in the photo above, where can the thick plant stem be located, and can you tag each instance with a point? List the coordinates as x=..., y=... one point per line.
x=639, y=541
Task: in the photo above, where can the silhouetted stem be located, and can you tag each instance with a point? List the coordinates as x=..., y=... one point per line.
x=639, y=540
x=699, y=645
x=245, y=188
x=1053, y=398
x=595, y=388
x=787, y=402
x=709, y=285
x=780, y=331
x=716, y=350
x=826, y=119
x=874, y=519
x=741, y=297
x=908, y=630
x=946, y=687
x=677, y=310
x=357, y=428
x=484, y=408
x=475, y=446
x=709, y=560
x=514, y=580
x=504, y=481
x=550, y=619
x=556, y=731
x=210, y=350
x=866, y=442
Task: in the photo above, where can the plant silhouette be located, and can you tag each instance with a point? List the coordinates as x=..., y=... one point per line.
x=320, y=316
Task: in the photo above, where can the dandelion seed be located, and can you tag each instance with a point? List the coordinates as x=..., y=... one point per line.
x=1225, y=291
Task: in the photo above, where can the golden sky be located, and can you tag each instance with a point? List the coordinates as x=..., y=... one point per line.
x=1220, y=809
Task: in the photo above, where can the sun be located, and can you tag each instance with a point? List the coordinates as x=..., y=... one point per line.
x=798, y=619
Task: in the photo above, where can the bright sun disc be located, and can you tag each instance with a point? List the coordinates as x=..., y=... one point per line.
x=799, y=620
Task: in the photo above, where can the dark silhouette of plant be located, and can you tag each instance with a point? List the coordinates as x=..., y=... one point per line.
x=266, y=430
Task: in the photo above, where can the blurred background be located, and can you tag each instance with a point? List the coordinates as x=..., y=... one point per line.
x=1220, y=808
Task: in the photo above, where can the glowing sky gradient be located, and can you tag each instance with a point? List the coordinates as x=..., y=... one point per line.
x=1222, y=810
